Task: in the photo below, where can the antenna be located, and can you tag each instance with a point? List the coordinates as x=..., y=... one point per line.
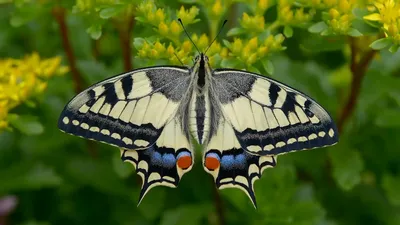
x=216, y=36
x=180, y=21
x=179, y=59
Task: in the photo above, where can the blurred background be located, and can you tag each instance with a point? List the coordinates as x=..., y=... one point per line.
x=341, y=53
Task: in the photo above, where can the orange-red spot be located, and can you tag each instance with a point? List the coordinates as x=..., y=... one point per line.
x=212, y=163
x=184, y=162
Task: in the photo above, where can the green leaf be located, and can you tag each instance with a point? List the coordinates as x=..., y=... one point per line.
x=288, y=31
x=138, y=42
x=268, y=66
x=381, y=43
x=95, y=31
x=318, y=27
x=26, y=124
x=360, y=12
x=394, y=48
x=253, y=69
x=110, y=12
x=227, y=43
x=391, y=185
x=354, y=32
x=347, y=165
x=388, y=118
x=235, y=31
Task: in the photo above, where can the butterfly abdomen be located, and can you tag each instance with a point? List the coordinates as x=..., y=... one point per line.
x=199, y=116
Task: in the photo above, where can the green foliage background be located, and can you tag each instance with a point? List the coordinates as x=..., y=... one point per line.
x=60, y=179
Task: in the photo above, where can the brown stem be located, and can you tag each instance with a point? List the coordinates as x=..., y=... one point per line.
x=358, y=70
x=125, y=28
x=218, y=205
x=95, y=49
x=59, y=15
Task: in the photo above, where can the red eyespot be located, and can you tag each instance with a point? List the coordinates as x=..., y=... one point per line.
x=211, y=163
x=184, y=162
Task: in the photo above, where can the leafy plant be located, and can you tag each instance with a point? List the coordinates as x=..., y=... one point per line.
x=343, y=53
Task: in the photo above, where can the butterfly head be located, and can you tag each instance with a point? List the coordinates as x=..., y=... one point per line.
x=201, y=58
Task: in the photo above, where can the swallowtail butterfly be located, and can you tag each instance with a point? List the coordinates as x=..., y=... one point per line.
x=243, y=121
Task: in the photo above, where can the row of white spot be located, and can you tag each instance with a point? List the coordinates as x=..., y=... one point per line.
x=269, y=147
x=126, y=140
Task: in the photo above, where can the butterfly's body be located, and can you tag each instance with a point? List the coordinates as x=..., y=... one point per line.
x=242, y=120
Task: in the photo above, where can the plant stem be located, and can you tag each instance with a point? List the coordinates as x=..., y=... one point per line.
x=59, y=15
x=125, y=28
x=358, y=71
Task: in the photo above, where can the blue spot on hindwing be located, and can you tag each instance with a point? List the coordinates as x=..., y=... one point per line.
x=233, y=161
x=213, y=155
x=185, y=153
x=156, y=158
x=228, y=161
x=240, y=161
x=168, y=160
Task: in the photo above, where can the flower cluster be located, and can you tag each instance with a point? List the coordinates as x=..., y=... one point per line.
x=250, y=51
x=20, y=79
x=290, y=15
x=387, y=14
x=337, y=17
x=168, y=28
x=182, y=52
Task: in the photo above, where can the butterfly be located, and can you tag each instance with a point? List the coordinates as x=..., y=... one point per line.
x=243, y=121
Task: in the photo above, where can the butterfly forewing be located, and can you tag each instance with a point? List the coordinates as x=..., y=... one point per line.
x=270, y=118
x=129, y=110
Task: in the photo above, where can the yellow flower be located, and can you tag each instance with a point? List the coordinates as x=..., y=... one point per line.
x=159, y=16
x=163, y=29
x=253, y=23
x=170, y=50
x=237, y=46
x=21, y=79
x=262, y=5
x=187, y=46
x=188, y=16
x=388, y=12
x=217, y=8
x=176, y=29
x=202, y=43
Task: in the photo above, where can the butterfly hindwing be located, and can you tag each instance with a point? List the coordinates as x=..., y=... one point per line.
x=230, y=165
x=270, y=118
x=164, y=162
x=129, y=110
